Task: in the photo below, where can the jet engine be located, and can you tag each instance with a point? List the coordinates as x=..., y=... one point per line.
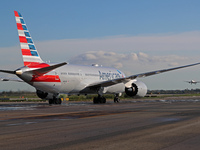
x=53, y=99
x=44, y=95
x=136, y=88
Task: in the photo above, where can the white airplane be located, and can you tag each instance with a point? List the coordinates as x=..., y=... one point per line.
x=193, y=82
x=50, y=80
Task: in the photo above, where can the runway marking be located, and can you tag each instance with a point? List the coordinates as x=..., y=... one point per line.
x=22, y=123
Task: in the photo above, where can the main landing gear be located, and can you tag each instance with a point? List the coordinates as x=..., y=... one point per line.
x=55, y=101
x=101, y=99
x=116, y=99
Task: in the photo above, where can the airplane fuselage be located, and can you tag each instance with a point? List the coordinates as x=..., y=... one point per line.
x=74, y=79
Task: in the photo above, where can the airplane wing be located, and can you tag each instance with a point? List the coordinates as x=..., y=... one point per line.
x=126, y=79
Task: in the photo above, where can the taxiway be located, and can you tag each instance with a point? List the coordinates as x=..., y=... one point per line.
x=152, y=125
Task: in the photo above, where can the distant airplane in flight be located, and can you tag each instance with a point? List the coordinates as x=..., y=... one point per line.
x=193, y=82
x=50, y=80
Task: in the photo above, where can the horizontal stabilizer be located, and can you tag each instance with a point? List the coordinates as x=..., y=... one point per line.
x=8, y=71
x=45, y=70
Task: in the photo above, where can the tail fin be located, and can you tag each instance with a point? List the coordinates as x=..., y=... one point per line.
x=29, y=51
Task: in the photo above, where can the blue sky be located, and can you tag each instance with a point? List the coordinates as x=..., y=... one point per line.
x=69, y=19
x=157, y=34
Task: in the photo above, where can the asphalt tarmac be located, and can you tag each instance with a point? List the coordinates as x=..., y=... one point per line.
x=128, y=125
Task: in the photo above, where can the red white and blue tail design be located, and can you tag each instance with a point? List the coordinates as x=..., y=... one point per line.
x=29, y=52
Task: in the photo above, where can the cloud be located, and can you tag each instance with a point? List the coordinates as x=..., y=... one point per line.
x=131, y=54
x=164, y=43
x=128, y=62
x=65, y=49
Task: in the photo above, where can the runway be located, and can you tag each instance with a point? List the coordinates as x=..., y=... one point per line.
x=150, y=124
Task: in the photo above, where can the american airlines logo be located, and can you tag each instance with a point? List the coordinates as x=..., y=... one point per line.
x=108, y=75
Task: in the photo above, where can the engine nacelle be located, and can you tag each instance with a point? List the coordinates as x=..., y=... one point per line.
x=44, y=95
x=137, y=88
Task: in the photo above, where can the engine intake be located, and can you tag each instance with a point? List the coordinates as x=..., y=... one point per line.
x=132, y=91
x=44, y=95
x=41, y=94
x=137, y=88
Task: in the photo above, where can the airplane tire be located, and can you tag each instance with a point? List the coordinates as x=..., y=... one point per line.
x=55, y=101
x=103, y=100
x=50, y=101
x=116, y=99
x=58, y=101
x=95, y=100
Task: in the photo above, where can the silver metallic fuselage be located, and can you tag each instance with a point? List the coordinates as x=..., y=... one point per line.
x=75, y=79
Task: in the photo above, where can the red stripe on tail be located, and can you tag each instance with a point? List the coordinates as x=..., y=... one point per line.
x=19, y=26
x=22, y=39
x=26, y=52
x=16, y=14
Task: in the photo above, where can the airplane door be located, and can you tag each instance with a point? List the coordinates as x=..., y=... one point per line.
x=56, y=76
x=81, y=75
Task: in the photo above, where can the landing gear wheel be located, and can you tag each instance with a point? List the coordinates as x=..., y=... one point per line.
x=103, y=100
x=58, y=101
x=95, y=100
x=99, y=100
x=50, y=101
x=116, y=99
x=55, y=101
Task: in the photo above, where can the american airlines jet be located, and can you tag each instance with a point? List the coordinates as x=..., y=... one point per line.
x=50, y=80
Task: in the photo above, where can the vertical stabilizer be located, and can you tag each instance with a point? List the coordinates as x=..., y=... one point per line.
x=29, y=51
